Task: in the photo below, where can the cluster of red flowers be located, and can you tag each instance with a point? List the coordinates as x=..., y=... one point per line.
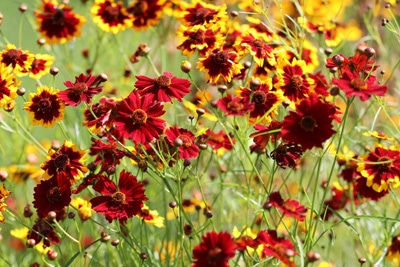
x=217, y=248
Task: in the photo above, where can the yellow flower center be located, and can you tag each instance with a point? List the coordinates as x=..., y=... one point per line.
x=296, y=81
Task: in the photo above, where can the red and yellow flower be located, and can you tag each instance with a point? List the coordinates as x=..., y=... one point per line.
x=145, y=13
x=381, y=168
x=57, y=23
x=45, y=107
x=40, y=66
x=220, y=66
x=8, y=86
x=4, y=193
x=110, y=16
x=18, y=60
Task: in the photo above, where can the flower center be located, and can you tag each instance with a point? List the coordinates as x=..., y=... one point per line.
x=80, y=87
x=258, y=43
x=386, y=163
x=139, y=116
x=112, y=11
x=198, y=37
x=53, y=194
x=202, y=13
x=214, y=255
x=308, y=123
x=235, y=106
x=259, y=98
x=296, y=81
x=221, y=57
x=118, y=197
x=358, y=84
x=141, y=7
x=44, y=105
x=163, y=81
x=61, y=161
x=186, y=141
x=12, y=55
x=58, y=17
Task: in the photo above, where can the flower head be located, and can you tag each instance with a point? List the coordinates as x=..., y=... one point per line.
x=234, y=106
x=40, y=66
x=163, y=88
x=289, y=207
x=354, y=85
x=311, y=124
x=82, y=90
x=122, y=202
x=199, y=38
x=57, y=23
x=219, y=66
x=276, y=247
x=52, y=195
x=66, y=162
x=293, y=82
x=8, y=89
x=137, y=118
x=151, y=217
x=381, y=168
x=45, y=107
x=200, y=13
x=102, y=112
x=110, y=16
x=18, y=60
x=145, y=13
x=215, y=250
x=184, y=140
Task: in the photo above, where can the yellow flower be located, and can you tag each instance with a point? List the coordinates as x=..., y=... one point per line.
x=83, y=206
x=151, y=217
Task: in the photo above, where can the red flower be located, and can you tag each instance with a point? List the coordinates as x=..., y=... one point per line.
x=321, y=84
x=57, y=23
x=265, y=134
x=184, y=140
x=287, y=155
x=108, y=153
x=234, y=106
x=84, y=88
x=359, y=63
x=102, y=112
x=276, y=247
x=289, y=207
x=215, y=250
x=137, y=118
x=163, y=88
x=340, y=196
x=66, y=162
x=311, y=124
x=219, y=139
x=44, y=230
x=265, y=101
x=353, y=85
x=381, y=167
x=52, y=195
x=120, y=203
x=258, y=47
